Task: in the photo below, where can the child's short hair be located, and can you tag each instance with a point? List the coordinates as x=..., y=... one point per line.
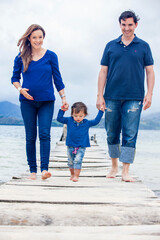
x=77, y=107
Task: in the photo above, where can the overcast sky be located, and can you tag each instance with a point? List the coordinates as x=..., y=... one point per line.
x=77, y=31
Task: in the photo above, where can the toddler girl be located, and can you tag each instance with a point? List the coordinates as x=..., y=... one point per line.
x=77, y=135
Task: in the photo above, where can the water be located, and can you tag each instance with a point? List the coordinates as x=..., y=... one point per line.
x=146, y=165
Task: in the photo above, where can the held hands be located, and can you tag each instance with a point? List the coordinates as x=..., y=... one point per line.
x=65, y=105
x=147, y=101
x=102, y=108
x=25, y=94
x=101, y=103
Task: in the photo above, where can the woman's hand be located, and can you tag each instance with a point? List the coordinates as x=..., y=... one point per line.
x=24, y=91
x=65, y=105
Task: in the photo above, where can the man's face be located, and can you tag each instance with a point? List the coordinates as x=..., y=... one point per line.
x=128, y=27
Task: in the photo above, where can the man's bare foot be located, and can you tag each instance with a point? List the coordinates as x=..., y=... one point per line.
x=32, y=176
x=127, y=178
x=46, y=174
x=72, y=176
x=125, y=173
x=75, y=179
x=112, y=173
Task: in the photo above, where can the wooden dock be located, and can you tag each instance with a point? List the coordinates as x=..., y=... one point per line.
x=95, y=208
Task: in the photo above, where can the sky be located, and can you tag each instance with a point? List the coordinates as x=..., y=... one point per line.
x=77, y=31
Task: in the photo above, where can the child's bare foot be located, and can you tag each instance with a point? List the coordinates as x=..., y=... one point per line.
x=112, y=173
x=72, y=173
x=32, y=176
x=127, y=178
x=75, y=179
x=76, y=175
x=46, y=174
x=72, y=176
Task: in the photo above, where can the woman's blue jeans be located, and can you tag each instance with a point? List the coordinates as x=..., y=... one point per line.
x=122, y=116
x=43, y=111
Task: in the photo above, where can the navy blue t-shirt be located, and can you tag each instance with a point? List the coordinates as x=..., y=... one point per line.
x=39, y=76
x=125, y=78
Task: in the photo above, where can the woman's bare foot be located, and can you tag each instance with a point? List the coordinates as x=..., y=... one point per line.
x=127, y=178
x=46, y=174
x=112, y=173
x=32, y=176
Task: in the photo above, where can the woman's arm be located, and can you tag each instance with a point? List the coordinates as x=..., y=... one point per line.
x=23, y=91
x=65, y=105
x=17, y=69
x=58, y=80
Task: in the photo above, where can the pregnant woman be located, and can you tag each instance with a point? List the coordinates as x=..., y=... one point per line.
x=39, y=68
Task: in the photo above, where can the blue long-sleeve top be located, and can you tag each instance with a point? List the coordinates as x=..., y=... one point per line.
x=39, y=76
x=78, y=133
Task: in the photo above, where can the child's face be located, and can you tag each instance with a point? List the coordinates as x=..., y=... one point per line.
x=78, y=117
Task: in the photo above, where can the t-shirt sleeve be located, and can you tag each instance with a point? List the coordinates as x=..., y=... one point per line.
x=148, y=59
x=17, y=69
x=56, y=73
x=105, y=57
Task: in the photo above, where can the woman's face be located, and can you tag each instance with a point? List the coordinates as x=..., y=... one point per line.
x=36, y=39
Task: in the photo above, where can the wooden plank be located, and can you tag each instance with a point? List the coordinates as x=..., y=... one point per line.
x=142, y=232
x=102, y=192
x=93, y=201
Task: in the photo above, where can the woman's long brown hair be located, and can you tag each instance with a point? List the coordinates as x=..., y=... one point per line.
x=25, y=46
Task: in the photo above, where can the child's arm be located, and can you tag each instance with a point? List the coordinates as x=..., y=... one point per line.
x=60, y=117
x=97, y=119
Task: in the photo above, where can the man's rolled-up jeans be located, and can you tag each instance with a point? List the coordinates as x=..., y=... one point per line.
x=122, y=116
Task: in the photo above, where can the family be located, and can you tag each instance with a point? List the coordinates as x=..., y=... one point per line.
x=124, y=64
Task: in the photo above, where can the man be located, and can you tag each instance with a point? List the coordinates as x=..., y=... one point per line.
x=121, y=91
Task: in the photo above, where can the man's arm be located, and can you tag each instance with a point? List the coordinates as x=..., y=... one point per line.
x=150, y=84
x=101, y=84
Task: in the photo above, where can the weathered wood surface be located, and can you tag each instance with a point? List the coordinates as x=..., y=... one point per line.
x=93, y=201
x=142, y=232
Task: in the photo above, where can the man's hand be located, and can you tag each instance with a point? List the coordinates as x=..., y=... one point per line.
x=100, y=103
x=147, y=101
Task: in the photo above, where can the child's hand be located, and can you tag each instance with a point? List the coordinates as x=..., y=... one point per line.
x=63, y=108
x=102, y=108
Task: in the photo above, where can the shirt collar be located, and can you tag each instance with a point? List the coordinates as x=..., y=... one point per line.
x=135, y=39
x=78, y=123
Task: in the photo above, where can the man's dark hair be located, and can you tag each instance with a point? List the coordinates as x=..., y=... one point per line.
x=129, y=14
x=77, y=107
